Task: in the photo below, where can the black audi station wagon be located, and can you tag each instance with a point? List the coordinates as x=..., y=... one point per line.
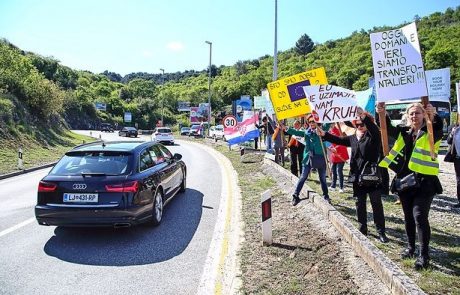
x=115, y=184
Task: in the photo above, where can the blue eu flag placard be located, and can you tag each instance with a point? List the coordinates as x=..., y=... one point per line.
x=295, y=90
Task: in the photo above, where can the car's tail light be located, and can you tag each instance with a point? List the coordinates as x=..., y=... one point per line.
x=44, y=187
x=127, y=187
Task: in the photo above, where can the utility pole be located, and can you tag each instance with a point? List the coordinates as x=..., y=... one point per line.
x=209, y=87
x=162, y=102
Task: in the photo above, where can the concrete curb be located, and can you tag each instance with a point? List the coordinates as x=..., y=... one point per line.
x=12, y=174
x=390, y=274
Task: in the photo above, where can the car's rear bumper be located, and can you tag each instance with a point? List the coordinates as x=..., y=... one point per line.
x=82, y=217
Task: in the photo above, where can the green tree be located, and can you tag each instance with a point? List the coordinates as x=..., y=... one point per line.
x=304, y=45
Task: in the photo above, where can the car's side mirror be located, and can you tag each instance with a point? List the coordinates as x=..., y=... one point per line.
x=177, y=156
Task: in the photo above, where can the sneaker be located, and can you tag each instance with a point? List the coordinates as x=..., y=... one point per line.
x=295, y=200
x=327, y=199
x=332, y=188
x=407, y=253
x=397, y=202
x=383, y=238
x=422, y=262
x=341, y=190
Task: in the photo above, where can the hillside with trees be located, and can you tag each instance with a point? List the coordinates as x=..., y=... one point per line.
x=37, y=92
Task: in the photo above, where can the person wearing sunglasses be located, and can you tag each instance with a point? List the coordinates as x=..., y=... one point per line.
x=313, y=157
x=365, y=146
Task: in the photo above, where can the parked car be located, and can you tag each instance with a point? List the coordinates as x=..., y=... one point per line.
x=163, y=135
x=195, y=130
x=115, y=184
x=128, y=132
x=185, y=131
x=106, y=127
x=217, y=132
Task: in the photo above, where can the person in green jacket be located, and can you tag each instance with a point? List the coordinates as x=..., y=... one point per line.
x=313, y=157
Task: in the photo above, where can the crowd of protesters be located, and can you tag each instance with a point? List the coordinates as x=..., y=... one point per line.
x=411, y=158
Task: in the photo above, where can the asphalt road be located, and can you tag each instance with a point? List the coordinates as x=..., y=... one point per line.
x=168, y=259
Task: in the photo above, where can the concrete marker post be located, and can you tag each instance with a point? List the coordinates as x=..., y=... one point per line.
x=266, y=204
x=20, y=161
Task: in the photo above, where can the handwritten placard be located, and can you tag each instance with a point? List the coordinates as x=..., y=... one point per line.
x=331, y=103
x=398, y=65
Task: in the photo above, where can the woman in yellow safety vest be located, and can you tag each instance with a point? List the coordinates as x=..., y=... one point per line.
x=416, y=181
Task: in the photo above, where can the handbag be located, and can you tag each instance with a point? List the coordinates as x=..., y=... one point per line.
x=408, y=182
x=370, y=176
x=449, y=157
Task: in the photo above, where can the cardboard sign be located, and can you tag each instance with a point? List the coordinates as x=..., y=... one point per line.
x=438, y=82
x=331, y=103
x=287, y=94
x=398, y=65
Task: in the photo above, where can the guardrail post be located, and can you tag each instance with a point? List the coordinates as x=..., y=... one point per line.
x=266, y=201
x=20, y=161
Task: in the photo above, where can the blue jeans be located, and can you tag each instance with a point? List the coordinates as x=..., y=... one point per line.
x=337, y=168
x=303, y=177
x=269, y=143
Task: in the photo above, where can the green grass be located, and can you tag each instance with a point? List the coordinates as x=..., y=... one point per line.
x=35, y=152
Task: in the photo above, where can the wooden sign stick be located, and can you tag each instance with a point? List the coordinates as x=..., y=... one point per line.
x=429, y=125
x=383, y=129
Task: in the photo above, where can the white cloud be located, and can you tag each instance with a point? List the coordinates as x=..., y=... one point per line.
x=175, y=46
x=147, y=53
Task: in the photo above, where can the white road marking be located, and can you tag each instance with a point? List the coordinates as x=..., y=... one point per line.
x=17, y=226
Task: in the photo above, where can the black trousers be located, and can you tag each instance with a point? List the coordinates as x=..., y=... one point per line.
x=457, y=174
x=385, y=180
x=360, y=194
x=296, y=159
x=416, y=205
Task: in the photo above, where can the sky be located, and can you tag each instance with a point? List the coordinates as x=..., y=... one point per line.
x=125, y=36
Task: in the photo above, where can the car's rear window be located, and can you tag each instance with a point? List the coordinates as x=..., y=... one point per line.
x=195, y=127
x=97, y=162
x=164, y=130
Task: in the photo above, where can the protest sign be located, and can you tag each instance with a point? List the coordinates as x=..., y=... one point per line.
x=259, y=103
x=268, y=103
x=331, y=103
x=438, y=82
x=366, y=100
x=287, y=95
x=398, y=65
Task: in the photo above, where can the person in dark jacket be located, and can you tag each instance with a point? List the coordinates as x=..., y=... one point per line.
x=410, y=157
x=365, y=146
x=454, y=149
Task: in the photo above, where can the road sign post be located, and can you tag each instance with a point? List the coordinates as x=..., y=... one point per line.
x=266, y=200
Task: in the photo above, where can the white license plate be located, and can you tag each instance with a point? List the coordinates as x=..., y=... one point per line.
x=80, y=198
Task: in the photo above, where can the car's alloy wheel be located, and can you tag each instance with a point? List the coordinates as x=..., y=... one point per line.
x=157, y=213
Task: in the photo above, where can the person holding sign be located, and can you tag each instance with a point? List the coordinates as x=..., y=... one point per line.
x=416, y=181
x=453, y=156
x=313, y=157
x=296, y=152
x=365, y=146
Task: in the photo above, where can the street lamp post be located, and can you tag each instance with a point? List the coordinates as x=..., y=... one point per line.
x=275, y=54
x=162, y=102
x=209, y=87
